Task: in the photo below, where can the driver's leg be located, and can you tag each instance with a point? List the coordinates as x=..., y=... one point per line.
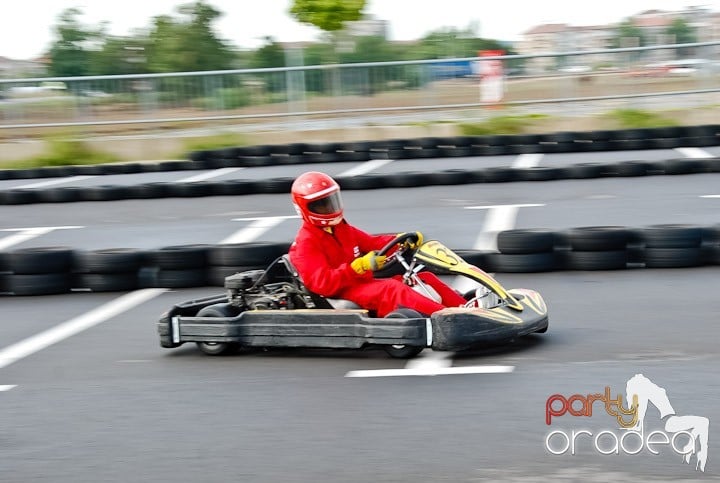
x=384, y=296
x=450, y=298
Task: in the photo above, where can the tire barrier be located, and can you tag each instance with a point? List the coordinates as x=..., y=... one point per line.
x=363, y=182
x=54, y=270
x=427, y=147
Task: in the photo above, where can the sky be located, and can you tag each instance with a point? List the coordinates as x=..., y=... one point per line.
x=26, y=26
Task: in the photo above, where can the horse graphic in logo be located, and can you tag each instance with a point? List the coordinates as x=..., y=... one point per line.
x=697, y=427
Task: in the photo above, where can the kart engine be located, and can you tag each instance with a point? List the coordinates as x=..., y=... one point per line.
x=246, y=293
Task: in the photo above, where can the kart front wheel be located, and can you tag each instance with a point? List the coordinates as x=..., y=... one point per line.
x=401, y=351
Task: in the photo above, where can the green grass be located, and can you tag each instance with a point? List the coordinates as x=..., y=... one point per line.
x=215, y=141
x=500, y=125
x=63, y=151
x=637, y=118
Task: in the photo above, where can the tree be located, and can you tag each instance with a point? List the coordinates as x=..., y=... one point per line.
x=629, y=35
x=680, y=32
x=270, y=54
x=70, y=53
x=327, y=15
x=187, y=43
x=119, y=55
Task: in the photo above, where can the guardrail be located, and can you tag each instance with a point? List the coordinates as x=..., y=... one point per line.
x=55, y=270
x=331, y=90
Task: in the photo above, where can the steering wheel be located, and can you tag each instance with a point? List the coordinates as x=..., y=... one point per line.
x=403, y=249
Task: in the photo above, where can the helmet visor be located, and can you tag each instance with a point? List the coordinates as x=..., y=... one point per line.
x=326, y=206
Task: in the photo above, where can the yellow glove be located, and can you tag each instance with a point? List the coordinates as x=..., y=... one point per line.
x=370, y=261
x=411, y=244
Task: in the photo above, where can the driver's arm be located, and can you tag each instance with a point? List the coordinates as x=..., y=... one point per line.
x=318, y=275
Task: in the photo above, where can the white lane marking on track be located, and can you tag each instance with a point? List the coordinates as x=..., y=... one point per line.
x=365, y=168
x=710, y=196
x=7, y=387
x=209, y=175
x=528, y=160
x=696, y=153
x=52, y=182
x=25, y=234
x=499, y=218
x=74, y=326
x=447, y=371
x=254, y=230
x=430, y=360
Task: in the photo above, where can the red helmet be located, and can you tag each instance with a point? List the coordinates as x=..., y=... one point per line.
x=316, y=197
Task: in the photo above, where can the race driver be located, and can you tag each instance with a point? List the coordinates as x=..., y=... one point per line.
x=335, y=259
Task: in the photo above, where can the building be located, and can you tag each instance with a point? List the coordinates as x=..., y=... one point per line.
x=11, y=68
x=557, y=38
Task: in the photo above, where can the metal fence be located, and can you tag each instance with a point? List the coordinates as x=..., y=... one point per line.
x=672, y=75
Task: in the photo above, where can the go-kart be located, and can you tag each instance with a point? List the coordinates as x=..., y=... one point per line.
x=272, y=308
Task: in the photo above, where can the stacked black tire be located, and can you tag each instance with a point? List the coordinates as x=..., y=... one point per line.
x=522, y=251
x=107, y=270
x=675, y=246
x=178, y=266
x=226, y=260
x=38, y=271
x=596, y=248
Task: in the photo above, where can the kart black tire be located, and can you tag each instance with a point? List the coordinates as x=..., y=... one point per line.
x=672, y=236
x=403, y=351
x=31, y=261
x=218, y=348
x=596, y=260
x=522, y=241
x=597, y=238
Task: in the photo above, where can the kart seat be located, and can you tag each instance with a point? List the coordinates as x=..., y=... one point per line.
x=343, y=304
x=333, y=303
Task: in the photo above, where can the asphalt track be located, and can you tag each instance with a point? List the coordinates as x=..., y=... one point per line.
x=108, y=404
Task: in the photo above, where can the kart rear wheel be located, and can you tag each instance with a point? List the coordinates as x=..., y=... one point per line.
x=218, y=348
x=401, y=351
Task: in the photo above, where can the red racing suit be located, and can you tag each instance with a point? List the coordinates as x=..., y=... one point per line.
x=323, y=259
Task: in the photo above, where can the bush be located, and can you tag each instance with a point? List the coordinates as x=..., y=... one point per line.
x=228, y=98
x=216, y=141
x=500, y=125
x=63, y=151
x=636, y=118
